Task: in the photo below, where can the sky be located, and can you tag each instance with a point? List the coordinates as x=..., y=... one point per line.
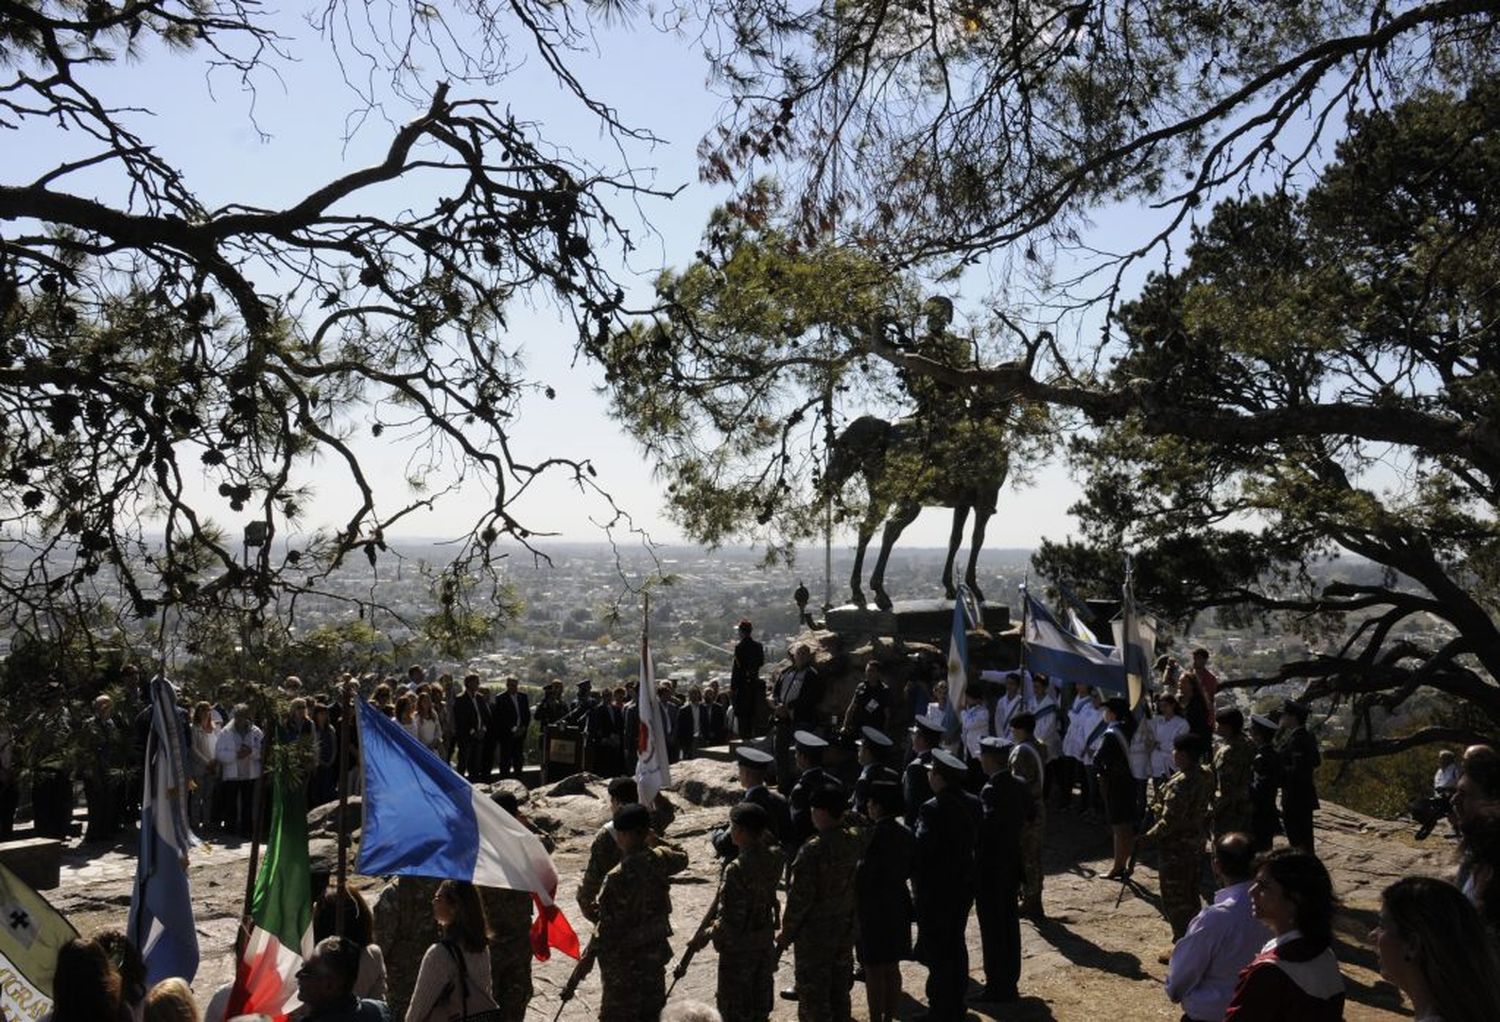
x=213, y=129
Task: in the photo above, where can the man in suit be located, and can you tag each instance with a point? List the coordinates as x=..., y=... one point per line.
x=604, y=734
x=794, y=706
x=510, y=719
x=1300, y=759
x=694, y=724
x=943, y=880
x=1005, y=803
x=745, y=687
x=471, y=721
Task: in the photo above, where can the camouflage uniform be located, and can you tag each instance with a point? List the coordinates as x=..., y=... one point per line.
x=1231, y=807
x=404, y=929
x=635, y=920
x=604, y=855
x=1029, y=770
x=1181, y=808
x=820, y=922
x=509, y=914
x=744, y=934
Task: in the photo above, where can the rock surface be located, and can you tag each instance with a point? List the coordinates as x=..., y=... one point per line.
x=1087, y=960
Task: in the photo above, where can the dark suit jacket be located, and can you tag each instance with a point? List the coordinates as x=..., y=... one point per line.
x=504, y=715
x=805, y=707
x=695, y=726
x=943, y=872
x=606, y=721
x=471, y=715
x=1005, y=802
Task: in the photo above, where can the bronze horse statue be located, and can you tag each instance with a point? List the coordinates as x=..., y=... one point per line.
x=866, y=448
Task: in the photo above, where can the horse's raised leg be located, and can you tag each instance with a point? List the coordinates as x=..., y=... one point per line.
x=955, y=537
x=981, y=519
x=903, y=516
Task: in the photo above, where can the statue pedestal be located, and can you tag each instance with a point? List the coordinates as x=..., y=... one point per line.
x=910, y=620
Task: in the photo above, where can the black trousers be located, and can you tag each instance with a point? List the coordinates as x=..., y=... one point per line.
x=10, y=797
x=103, y=800
x=239, y=806
x=512, y=754
x=52, y=802
x=946, y=955
x=1297, y=822
x=1000, y=936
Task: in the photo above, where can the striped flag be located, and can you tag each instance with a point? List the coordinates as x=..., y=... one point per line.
x=420, y=818
x=652, y=770
x=161, y=904
x=281, y=936
x=1136, y=635
x=958, y=667
x=1062, y=656
x=31, y=932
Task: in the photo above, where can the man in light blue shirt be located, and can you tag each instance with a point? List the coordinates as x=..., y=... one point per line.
x=1221, y=939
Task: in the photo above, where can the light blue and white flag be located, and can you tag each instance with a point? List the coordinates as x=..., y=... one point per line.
x=1136, y=635
x=958, y=668
x=1062, y=656
x=1079, y=629
x=653, y=769
x=161, y=921
x=420, y=818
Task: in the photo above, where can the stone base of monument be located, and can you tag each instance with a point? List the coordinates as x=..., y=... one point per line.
x=36, y=860
x=910, y=620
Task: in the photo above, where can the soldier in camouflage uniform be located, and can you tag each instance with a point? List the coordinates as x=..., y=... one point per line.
x=744, y=927
x=1028, y=765
x=635, y=920
x=1180, y=810
x=404, y=929
x=1232, y=762
x=819, y=917
x=604, y=852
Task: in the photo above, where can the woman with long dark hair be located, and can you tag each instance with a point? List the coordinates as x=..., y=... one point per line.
x=1432, y=945
x=1194, y=706
x=86, y=985
x=453, y=980
x=1116, y=781
x=1296, y=977
x=359, y=927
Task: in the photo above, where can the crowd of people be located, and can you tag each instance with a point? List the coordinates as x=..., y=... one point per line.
x=862, y=841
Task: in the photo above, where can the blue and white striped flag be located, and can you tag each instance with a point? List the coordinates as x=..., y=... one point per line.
x=1054, y=651
x=958, y=667
x=161, y=905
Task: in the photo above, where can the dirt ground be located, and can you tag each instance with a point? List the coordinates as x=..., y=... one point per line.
x=1089, y=959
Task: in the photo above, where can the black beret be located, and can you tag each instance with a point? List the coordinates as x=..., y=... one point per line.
x=829, y=796
x=752, y=817
x=1195, y=745
x=632, y=817
x=1024, y=721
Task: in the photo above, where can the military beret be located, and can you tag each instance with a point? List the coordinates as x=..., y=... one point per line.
x=1192, y=743
x=1024, y=721
x=1231, y=717
x=753, y=757
x=995, y=745
x=888, y=795
x=829, y=796
x=875, y=737
x=1118, y=706
x=632, y=817
x=809, y=742
x=750, y=816
x=745, y=625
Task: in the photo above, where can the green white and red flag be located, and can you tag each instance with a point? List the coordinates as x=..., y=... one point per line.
x=280, y=915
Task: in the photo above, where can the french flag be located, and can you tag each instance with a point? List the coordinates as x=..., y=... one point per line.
x=1062, y=656
x=420, y=818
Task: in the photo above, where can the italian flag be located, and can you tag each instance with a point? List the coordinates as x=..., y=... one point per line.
x=280, y=916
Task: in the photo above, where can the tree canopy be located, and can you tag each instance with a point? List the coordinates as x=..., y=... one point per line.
x=1321, y=378
x=148, y=339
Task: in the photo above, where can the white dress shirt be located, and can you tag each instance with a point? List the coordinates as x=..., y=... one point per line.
x=232, y=767
x=1206, y=963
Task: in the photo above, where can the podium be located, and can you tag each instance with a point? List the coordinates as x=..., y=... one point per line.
x=562, y=751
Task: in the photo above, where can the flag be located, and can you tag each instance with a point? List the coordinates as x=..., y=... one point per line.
x=1063, y=657
x=958, y=668
x=161, y=905
x=281, y=937
x=1079, y=629
x=1136, y=635
x=419, y=818
x=31, y=932
x=653, y=772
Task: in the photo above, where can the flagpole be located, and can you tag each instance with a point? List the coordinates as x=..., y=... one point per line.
x=268, y=746
x=1025, y=612
x=343, y=824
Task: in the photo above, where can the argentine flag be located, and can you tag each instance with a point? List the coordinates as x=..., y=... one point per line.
x=161, y=904
x=1063, y=657
x=958, y=668
x=422, y=819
